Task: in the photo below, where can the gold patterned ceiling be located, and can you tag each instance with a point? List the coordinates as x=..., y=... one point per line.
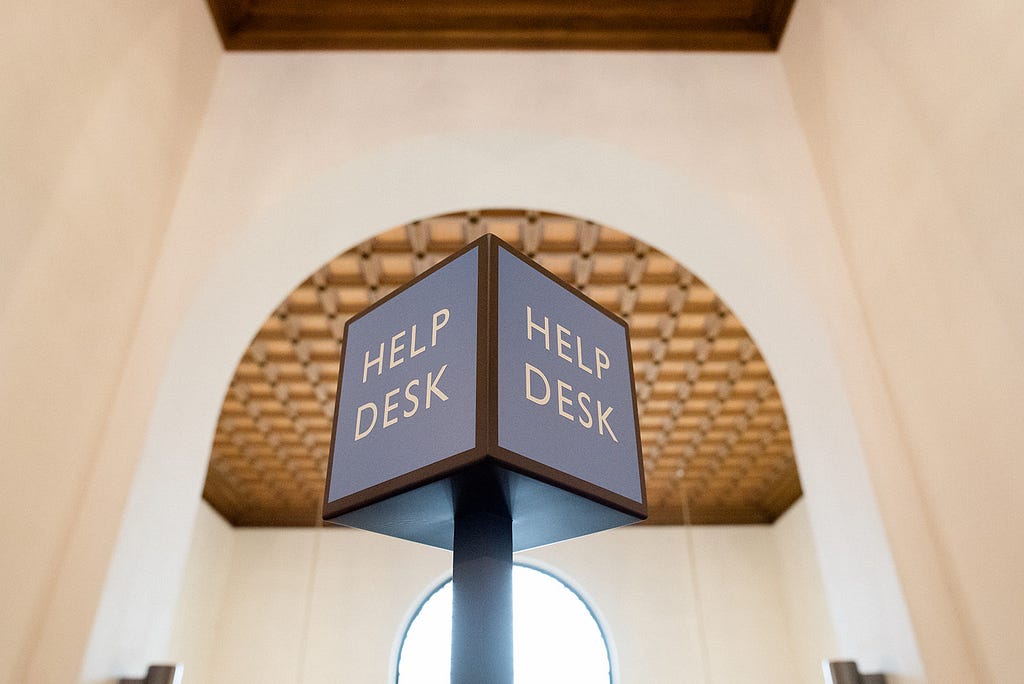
x=715, y=441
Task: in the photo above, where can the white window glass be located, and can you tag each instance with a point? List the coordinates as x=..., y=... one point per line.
x=556, y=638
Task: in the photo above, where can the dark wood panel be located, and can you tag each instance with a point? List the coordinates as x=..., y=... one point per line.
x=753, y=25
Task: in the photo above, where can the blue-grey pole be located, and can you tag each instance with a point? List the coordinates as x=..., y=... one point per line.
x=482, y=599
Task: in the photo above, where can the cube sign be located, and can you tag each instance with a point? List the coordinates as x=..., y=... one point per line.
x=486, y=376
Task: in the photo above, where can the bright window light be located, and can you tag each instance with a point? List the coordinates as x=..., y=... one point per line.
x=556, y=638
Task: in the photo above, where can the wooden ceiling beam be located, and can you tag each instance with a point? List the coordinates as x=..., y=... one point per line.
x=658, y=25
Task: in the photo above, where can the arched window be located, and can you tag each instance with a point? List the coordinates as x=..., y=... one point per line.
x=556, y=638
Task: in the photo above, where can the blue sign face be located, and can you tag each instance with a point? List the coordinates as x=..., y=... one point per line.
x=564, y=388
x=408, y=390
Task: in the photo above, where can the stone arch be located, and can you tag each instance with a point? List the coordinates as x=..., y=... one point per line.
x=443, y=174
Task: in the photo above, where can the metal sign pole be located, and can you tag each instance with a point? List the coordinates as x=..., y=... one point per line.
x=482, y=599
x=420, y=450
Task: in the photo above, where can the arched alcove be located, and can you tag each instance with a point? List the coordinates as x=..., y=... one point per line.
x=714, y=433
x=562, y=175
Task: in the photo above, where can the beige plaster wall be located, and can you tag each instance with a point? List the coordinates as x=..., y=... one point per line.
x=913, y=136
x=204, y=585
x=301, y=156
x=913, y=114
x=331, y=605
x=100, y=105
x=812, y=634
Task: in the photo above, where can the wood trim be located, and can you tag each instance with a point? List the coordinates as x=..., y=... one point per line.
x=228, y=15
x=778, y=20
x=645, y=25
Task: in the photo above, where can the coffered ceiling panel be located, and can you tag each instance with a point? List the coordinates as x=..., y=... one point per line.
x=715, y=440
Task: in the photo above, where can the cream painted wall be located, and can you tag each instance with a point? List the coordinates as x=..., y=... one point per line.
x=812, y=634
x=204, y=586
x=700, y=154
x=295, y=162
x=319, y=605
x=913, y=113
x=100, y=106
x=330, y=605
x=686, y=606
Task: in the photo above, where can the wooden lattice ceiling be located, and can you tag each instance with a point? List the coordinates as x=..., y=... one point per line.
x=715, y=440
